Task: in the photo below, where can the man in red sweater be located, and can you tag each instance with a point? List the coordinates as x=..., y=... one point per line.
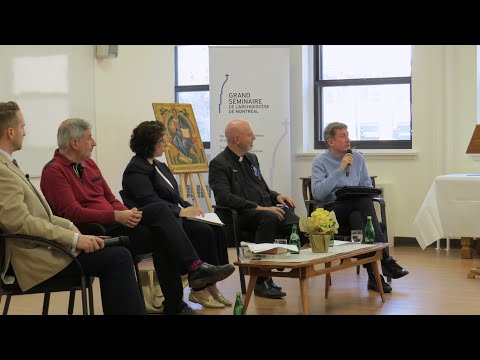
x=75, y=188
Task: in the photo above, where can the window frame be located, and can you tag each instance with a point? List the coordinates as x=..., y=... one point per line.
x=188, y=88
x=319, y=84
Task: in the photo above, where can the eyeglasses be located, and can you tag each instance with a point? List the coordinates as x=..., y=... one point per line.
x=162, y=141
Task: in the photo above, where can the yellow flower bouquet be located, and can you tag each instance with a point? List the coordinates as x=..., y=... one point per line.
x=319, y=227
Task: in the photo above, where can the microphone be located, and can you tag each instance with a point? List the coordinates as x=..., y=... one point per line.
x=347, y=169
x=117, y=241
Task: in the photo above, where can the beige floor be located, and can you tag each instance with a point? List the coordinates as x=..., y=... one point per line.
x=437, y=284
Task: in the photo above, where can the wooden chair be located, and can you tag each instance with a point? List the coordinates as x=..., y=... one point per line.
x=312, y=204
x=80, y=282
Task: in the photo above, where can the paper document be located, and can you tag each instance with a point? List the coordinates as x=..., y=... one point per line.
x=340, y=242
x=268, y=248
x=209, y=218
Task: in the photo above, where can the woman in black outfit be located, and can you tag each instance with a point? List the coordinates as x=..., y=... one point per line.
x=147, y=180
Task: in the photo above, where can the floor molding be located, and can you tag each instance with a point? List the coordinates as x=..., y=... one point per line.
x=411, y=241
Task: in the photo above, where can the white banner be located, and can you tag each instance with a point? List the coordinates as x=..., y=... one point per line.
x=252, y=83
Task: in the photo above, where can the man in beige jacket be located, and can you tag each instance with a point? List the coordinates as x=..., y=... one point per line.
x=23, y=210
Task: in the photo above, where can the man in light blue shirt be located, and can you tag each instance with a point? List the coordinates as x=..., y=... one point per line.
x=333, y=170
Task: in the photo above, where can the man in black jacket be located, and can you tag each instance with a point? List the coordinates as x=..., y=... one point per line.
x=236, y=180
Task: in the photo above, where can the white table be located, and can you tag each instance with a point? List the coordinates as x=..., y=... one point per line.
x=450, y=209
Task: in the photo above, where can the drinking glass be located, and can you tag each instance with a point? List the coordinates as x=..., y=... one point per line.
x=356, y=236
x=281, y=253
x=245, y=255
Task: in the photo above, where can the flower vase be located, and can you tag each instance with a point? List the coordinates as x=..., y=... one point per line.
x=319, y=243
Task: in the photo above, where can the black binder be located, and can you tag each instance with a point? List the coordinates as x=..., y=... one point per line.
x=348, y=192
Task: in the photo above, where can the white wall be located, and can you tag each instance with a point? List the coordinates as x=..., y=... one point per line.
x=125, y=89
x=50, y=83
x=444, y=94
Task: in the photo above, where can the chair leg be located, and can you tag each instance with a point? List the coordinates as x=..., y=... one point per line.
x=358, y=270
x=7, y=304
x=90, y=297
x=71, y=302
x=84, y=296
x=46, y=303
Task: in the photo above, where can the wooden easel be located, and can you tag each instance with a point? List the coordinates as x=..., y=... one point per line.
x=189, y=175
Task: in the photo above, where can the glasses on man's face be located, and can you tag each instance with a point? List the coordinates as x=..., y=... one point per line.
x=162, y=141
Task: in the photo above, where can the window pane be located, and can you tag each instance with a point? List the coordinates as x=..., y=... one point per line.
x=366, y=61
x=200, y=101
x=192, y=65
x=371, y=112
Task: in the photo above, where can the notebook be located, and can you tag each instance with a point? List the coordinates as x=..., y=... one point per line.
x=357, y=191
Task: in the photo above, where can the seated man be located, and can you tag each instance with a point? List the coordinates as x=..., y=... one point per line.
x=236, y=180
x=75, y=188
x=329, y=174
x=24, y=211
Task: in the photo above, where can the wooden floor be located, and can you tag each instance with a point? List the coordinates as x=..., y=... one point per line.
x=437, y=285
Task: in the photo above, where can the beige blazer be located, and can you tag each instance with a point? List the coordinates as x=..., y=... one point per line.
x=24, y=210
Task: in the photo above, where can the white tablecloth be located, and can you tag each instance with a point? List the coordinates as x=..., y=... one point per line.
x=450, y=209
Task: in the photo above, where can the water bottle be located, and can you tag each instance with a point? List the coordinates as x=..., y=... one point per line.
x=295, y=239
x=369, y=232
x=238, y=308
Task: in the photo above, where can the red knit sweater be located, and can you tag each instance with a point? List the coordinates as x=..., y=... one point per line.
x=88, y=199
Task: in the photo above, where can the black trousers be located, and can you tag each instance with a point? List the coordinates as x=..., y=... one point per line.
x=208, y=240
x=118, y=286
x=352, y=215
x=161, y=233
x=266, y=226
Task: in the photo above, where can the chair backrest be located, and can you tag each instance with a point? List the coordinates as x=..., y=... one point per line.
x=128, y=202
x=310, y=204
x=233, y=235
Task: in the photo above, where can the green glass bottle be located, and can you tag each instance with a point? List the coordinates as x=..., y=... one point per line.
x=295, y=239
x=369, y=232
x=238, y=308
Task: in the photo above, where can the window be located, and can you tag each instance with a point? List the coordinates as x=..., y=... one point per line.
x=367, y=87
x=191, y=85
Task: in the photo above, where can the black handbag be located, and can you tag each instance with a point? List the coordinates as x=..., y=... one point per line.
x=348, y=192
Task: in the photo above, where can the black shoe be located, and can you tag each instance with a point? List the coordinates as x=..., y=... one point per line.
x=391, y=269
x=272, y=284
x=187, y=310
x=209, y=274
x=372, y=285
x=264, y=289
x=184, y=310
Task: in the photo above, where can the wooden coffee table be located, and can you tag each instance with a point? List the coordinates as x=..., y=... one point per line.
x=338, y=258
